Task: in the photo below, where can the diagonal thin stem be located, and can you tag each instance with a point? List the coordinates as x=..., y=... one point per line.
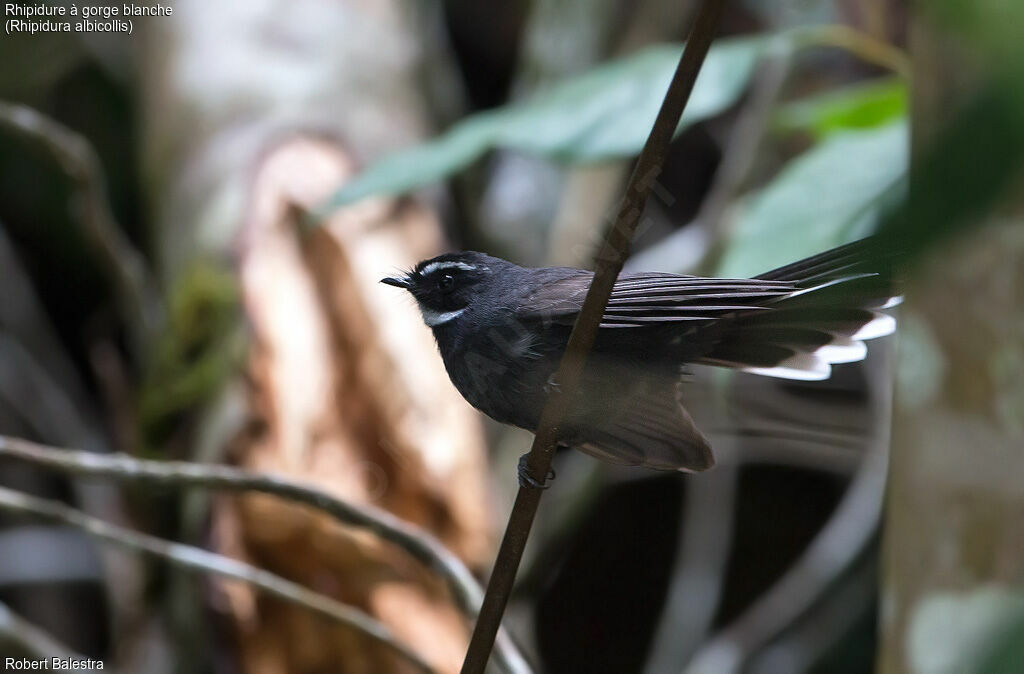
x=844, y=538
x=608, y=264
x=193, y=558
x=421, y=546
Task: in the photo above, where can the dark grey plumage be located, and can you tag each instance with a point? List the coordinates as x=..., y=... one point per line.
x=501, y=330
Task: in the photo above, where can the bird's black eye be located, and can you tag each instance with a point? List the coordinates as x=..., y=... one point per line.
x=446, y=283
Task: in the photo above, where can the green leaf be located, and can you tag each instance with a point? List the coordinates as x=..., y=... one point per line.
x=832, y=194
x=1007, y=654
x=860, y=106
x=604, y=113
x=963, y=631
x=973, y=164
x=990, y=30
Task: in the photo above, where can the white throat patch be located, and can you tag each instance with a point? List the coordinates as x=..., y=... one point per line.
x=434, y=318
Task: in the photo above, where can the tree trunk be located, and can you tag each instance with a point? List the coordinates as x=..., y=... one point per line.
x=954, y=539
x=254, y=114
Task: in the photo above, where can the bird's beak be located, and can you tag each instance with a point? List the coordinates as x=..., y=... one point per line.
x=397, y=282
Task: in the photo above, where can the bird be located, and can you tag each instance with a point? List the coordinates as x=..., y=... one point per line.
x=502, y=329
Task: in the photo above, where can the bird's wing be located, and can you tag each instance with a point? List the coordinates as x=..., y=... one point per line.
x=639, y=421
x=794, y=322
x=644, y=299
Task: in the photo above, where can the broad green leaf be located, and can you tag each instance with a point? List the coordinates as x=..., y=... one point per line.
x=604, y=113
x=608, y=112
x=859, y=106
x=832, y=194
x=973, y=164
x=952, y=631
x=1007, y=654
x=990, y=29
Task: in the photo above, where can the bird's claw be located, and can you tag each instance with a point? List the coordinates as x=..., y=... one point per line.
x=527, y=480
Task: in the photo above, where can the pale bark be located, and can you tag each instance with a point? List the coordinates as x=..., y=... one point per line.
x=254, y=113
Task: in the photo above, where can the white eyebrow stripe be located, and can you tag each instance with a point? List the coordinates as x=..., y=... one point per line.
x=435, y=318
x=446, y=264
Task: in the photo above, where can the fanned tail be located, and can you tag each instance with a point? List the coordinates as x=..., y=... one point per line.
x=836, y=307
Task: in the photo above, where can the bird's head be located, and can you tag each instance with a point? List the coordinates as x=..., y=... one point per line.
x=446, y=286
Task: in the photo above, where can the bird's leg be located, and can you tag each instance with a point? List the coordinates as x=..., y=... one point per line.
x=527, y=480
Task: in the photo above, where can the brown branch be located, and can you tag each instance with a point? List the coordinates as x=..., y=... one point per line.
x=862, y=45
x=193, y=558
x=608, y=264
x=703, y=238
x=420, y=545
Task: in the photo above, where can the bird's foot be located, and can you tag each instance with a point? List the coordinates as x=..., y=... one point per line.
x=527, y=480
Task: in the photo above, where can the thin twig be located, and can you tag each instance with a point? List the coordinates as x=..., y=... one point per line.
x=194, y=558
x=746, y=138
x=864, y=46
x=802, y=645
x=608, y=264
x=77, y=158
x=843, y=538
x=846, y=535
x=47, y=410
x=702, y=239
x=420, y=545
x=702, y=552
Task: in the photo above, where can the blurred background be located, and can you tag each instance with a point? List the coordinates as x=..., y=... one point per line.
x=194, y=216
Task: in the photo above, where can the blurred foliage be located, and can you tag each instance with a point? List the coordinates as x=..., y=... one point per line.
x=836, y=169
x=832, y=194
x=963, y=173
x=853, y=183
x=955, y=564
x=992, y=29
x=35, y=63
x=978, y=156
x=859, y=106
x=199, y=348
x=837, y=191
x=1007, y=654
x=605, y=113
x=967, y=631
